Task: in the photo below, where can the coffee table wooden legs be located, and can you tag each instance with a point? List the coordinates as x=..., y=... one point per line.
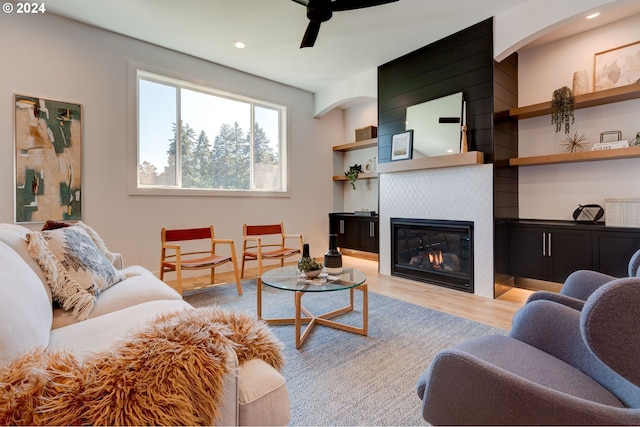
x=321, y=319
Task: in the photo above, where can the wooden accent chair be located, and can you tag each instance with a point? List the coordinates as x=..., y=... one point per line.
x=174, y=259
x=266, y=242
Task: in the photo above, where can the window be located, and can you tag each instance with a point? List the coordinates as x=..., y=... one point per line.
x=224, y=143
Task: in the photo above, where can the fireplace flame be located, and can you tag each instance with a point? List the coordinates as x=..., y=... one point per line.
x=435, y=259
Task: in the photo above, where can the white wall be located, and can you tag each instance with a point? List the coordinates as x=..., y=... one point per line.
x=55, y=58
x=365, y=196
x=554, y=191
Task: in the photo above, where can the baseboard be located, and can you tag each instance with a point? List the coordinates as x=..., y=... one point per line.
x=537, y=285
x=359, y=254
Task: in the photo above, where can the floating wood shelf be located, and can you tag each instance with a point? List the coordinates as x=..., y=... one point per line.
x=360, y=176
x=583, y=156
x=367, y=143
x=601, y=97
x=447, y=161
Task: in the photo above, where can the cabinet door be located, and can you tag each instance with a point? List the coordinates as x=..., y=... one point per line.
x=368, y=235
x=352, y=233
x=337, y=226
x=612, y=251
x=528, y=252
x=567, y=251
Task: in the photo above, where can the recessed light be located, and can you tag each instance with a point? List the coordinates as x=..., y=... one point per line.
x=593, y=15
x=239, y=44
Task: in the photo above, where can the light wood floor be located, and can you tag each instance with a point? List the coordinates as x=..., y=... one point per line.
x=495, y=312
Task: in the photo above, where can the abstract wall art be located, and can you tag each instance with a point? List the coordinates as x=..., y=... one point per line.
x=48, y=160
x=617, y=67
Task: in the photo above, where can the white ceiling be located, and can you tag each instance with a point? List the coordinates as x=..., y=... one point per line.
x=351, y=43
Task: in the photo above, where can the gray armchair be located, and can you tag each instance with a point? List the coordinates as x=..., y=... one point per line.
x=582, y=283
x=557, y=366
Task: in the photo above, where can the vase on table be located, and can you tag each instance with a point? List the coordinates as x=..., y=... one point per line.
x=333, y=257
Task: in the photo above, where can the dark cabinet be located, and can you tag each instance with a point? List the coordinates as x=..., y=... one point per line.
x=548, y=253
x=551, y=250
x=355, y=232
x=613, y=250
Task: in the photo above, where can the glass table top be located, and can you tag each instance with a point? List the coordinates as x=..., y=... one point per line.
x=290, y=279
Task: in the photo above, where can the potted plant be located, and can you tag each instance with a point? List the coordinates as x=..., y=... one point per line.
x=562, y=108
x=352, y=174
x=309, y=266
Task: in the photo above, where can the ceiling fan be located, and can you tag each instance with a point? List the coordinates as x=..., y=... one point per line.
x=319, y=11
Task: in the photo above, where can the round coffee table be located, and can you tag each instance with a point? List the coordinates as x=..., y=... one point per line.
x=290, y=279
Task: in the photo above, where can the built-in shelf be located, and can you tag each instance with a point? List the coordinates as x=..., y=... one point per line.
x=360, y=176
x=601, y=97
x=447, y=161
x=367, y=143
x=583, y=156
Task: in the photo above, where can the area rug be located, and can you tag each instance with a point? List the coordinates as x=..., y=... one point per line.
x=340, y=378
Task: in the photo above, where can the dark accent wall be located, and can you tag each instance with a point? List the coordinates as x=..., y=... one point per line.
x=462, y=62
x=505, y=178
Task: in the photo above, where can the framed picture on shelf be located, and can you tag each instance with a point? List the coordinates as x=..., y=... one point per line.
x=615, y=67
x=48, y=159
x=402, y=145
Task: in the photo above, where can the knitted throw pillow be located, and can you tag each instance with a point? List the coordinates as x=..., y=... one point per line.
x=74, y=266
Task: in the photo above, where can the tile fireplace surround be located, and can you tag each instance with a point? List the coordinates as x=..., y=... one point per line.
x=463, y=193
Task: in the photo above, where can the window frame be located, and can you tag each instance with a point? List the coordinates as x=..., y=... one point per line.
x=203, y=86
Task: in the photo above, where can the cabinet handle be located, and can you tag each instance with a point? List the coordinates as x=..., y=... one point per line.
x=544, y=244
x=372, y=231
x=342, y=226
x=549, y=244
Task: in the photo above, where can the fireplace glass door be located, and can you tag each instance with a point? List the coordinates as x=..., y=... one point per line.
x=433, y=251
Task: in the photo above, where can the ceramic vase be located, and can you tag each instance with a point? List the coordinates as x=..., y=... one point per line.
x=333, y=257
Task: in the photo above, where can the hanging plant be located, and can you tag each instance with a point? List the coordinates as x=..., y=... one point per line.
x=562, y=107
x=353, y=173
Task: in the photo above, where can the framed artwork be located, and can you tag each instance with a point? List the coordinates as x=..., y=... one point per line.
x=402, y=145
x=617, y=67
x=48, y=160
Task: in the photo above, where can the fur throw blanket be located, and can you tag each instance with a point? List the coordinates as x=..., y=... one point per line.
x=168, y=373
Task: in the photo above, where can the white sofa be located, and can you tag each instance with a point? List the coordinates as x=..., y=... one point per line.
x=256, y=395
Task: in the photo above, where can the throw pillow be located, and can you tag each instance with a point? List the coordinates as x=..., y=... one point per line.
x=51, y=224
x=74, y=267
x=98, y=241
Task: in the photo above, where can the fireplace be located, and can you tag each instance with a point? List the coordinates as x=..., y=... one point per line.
x=433, y=251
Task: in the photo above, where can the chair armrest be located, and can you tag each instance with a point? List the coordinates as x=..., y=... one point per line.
x=582, y=283
x=551, y=327
x=610, y=326
x=224, y=241
x=555, y=329
x=571, y=302
x=292, y=236
x=461, y=389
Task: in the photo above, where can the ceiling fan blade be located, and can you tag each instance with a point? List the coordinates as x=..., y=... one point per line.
x=338, y=5
x=302, y=2
x=311, y=34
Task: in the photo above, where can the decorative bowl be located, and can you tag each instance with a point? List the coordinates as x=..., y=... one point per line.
x=312, y=273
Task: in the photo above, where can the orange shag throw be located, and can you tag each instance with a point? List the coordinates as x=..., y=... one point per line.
x=168, y=373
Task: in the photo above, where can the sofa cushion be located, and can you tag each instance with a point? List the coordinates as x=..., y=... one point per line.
x=139, y=286
x=100, y=333
x=26, y=310
x=75, y=268
x=15, y=236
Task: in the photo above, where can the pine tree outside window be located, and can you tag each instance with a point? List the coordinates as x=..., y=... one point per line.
x=225, y=143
